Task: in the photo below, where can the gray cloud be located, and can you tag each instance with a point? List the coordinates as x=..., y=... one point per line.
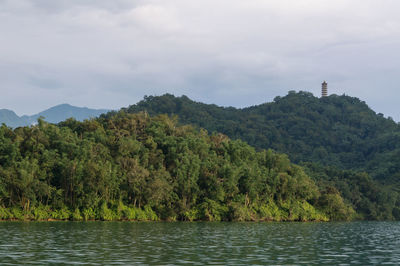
x=108, y=54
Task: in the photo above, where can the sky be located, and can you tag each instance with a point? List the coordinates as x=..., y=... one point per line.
x=110, y=54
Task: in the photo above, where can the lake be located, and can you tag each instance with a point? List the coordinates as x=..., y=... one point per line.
x=199, y=243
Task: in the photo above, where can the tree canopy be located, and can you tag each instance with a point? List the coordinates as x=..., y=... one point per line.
x=137, y=167
x=334, y=132
x=145, y=163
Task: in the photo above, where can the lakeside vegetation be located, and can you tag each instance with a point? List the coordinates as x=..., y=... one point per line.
x=351, y=149
x=137, y=167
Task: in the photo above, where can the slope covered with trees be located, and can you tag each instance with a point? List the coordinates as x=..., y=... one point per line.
x=344, y=145
x=339, y=131
x=137, y=167
x=130, y=165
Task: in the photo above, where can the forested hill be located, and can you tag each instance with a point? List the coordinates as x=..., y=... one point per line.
x=141, y=167
x=340, y=131
x=136, y=167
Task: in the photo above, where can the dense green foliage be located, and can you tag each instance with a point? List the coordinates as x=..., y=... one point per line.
x=130, y=165
x=339, y=131
x=137, y=167
x=370, y=199
x=335, y=132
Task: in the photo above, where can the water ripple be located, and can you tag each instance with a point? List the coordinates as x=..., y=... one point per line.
x=119, y=243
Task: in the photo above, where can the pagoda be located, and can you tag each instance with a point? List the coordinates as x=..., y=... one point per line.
x=324, y=90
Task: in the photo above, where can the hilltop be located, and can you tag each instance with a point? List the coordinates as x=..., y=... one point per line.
x=141, y=166
x=340, y=131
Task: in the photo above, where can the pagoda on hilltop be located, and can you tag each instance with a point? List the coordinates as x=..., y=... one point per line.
x=324, y=90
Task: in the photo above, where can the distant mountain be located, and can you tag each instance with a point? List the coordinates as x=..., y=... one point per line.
x=10, y=118
x=54, y=114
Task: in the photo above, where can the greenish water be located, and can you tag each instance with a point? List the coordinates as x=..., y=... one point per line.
x=363, y=243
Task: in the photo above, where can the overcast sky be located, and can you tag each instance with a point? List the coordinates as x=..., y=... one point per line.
x=110, y=53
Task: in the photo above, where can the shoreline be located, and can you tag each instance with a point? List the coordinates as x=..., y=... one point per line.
x=172, y=221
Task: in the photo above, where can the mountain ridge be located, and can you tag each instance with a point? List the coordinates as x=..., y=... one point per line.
x=53, y=114
x=340, y=131
x=132, y=146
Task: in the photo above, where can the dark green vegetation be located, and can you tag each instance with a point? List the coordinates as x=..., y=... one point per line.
x=353, y=150
x=52, y=115
x=137, y=167
x=340, y=131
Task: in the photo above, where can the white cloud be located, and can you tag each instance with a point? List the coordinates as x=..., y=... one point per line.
x=110, y=53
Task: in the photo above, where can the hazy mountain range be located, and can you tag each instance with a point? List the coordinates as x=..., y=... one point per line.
x=54, y=114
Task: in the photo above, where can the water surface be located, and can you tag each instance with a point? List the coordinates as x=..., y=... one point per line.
x=363, y=243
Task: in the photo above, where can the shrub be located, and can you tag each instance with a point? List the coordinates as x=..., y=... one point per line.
x=211, y=210
x=62, y=214
x=89, y=214
x=5, y=214
x=76, y=215
x=240, y=212
x=150, y=214
x=105, y=214
x=17, y=213
x=270, y=212
x=129, y=213
x=191, y=215
x=140, y=214
x=41, y=213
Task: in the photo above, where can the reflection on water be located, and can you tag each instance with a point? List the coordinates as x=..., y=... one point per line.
x=199, y=243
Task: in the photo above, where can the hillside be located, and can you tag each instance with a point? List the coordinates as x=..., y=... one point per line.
x=124, y=166
x=53, y=115
x=338, y=131
x=136, y=167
